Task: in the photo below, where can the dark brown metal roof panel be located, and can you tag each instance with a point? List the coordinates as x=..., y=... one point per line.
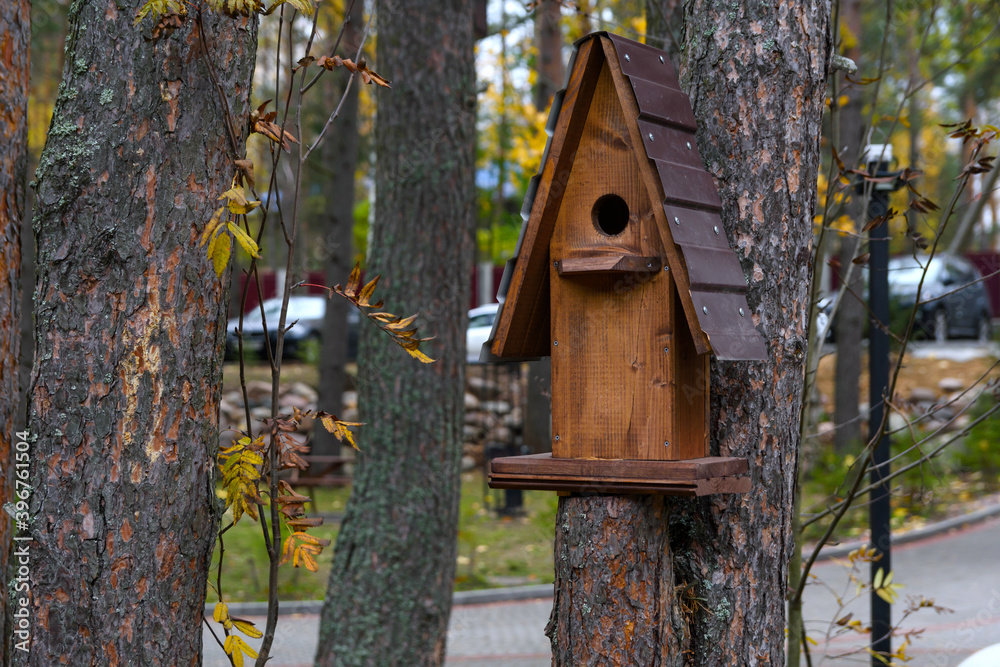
x=728, y=321
x=644, y=62
x=726, y=318
x=670, y=144
x=663, y=104
x=722, y=311
x=687, y=185
x=729, y=347
x=693, y=227
x=714, y=269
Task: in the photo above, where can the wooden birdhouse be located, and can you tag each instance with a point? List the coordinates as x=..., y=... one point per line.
x=624, y=276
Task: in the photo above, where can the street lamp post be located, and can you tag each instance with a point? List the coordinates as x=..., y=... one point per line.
x=878, y=158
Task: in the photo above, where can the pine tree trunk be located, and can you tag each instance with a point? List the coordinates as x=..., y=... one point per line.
x=549, y=61
x=336, y=224
x=390, y=588
x=15, y=48
x=129, y=331
x=849, y=322
x=702, y=582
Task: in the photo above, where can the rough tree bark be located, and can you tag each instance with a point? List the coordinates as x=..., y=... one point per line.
x=129, y=332
x=15, y=49
x=849, y=322
x=549, y=43
x=654, y=581
x=336, y=224
x=390, y=588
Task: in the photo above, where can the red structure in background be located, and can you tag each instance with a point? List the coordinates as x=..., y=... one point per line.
x=988, y=263
x=269, y=285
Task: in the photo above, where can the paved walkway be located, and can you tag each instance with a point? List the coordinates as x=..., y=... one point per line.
x=958, y=569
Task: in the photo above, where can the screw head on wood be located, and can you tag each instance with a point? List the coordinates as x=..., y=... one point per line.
x=557, y=437
x=556, y=263
x=555, y=342
x=666, y=443
x=649, y=265
x=627, y=59
x=666, y=349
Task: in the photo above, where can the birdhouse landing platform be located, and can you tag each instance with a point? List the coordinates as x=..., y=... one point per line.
x=624, y=276
x=693, y=477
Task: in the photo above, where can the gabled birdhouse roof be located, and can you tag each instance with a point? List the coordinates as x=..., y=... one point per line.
x=661, y=132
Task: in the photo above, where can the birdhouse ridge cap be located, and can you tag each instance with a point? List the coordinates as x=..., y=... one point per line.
x=661, y=133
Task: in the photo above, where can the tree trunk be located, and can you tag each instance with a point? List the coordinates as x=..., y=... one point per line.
x=390, y=588
x=336, y=223
x=915, y=105
x=703, y=582
x=664, y=26
x=549, y=42
x=129, y=332
x=15, y=49
x=850, y=318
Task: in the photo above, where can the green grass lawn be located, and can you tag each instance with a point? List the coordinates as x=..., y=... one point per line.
x=493, y=551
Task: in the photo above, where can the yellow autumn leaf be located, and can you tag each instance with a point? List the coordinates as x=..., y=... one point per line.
x=287, y=550
x=221, y=612
x=353, y=281
x=419, y=356
x=219, y=252
x=304, y=6
x=310, y=539
x=301, y=548
x=160, y=8
x=252, y=457
x=212, y=226
x=247, y=628
x=236, y=8
x=367, y=291
x=403, y=323
x=339, y=429
x=235, y=194
x=243, y=209
x=247, y=243
x=305, y=555
x=236, y=647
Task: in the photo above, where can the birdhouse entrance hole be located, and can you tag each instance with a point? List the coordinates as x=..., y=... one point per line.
x=611, y=215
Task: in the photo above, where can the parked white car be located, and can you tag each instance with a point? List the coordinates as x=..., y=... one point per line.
x=480, y=326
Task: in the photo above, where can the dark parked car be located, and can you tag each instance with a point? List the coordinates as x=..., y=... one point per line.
x=953, y=301
x=306, y=312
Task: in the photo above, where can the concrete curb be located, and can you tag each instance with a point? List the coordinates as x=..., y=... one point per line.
x=543, y=591
x=482, y=596
x=922, y=533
